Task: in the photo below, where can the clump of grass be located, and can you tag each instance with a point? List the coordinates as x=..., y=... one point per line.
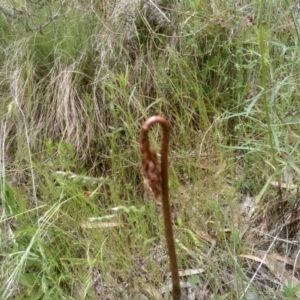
x=74, y=94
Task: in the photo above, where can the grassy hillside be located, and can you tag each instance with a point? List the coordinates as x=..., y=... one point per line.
x=78, y=80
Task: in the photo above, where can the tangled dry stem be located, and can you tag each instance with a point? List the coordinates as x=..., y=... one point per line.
x=157, y=178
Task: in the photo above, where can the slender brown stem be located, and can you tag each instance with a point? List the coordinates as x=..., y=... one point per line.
x=158, y=181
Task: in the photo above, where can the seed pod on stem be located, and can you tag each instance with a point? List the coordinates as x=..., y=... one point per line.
x=157, y=178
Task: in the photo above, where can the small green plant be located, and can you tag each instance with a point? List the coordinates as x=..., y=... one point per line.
x=289, y=291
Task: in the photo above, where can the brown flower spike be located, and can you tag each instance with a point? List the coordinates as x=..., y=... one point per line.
x=157, y=178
